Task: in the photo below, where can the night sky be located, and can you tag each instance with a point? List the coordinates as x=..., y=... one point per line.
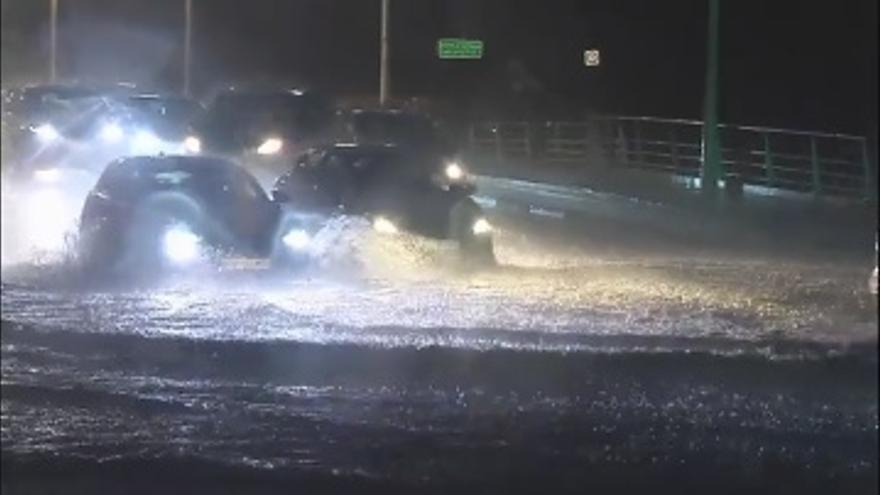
x=810, y=65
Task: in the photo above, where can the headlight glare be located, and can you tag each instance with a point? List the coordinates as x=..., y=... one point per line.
x=111, y=133
x=454, y=171
x=270, y=146
x=384, y=226
x=296, y=239
x=180, y=245
x=46, y=133
x=481, y=227
x=146, y=142
x=47, y=175
x=192, y=145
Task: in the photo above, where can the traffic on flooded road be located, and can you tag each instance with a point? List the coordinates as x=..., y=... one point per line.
x=486, y=277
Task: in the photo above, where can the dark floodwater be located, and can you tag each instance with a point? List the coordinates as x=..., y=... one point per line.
x=150, y=387
x=604, y=365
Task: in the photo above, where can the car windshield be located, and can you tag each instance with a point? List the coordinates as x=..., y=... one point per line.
x=439, y=246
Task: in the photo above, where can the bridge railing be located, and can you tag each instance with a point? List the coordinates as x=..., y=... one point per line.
x=813, y=162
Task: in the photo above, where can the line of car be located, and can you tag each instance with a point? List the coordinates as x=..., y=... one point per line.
x=173, y=184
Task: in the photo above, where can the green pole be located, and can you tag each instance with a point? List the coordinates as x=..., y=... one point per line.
x=712, y=167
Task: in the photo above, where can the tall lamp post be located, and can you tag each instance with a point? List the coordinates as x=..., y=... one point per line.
x=384, y=83
x=711, y=149
x=187, y=48
x=53, y=39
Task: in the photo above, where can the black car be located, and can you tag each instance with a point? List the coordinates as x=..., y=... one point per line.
x=397, y=188
x=264, y=128
x=72, y=126
x=157, y=123
x=181, y=211
x=50, y=124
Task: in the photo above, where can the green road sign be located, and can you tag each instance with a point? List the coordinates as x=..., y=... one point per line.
x=457, y=48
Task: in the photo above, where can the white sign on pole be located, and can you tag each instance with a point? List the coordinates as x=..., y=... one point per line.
x=591, y=58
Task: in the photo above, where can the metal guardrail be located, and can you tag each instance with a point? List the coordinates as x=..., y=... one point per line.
x=815, y=162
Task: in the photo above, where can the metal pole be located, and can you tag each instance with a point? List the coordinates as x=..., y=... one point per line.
x=814, y=163
x=383, y=71
x=53, y=39
x=870, y=186
x=187, y=49
x=711, y=141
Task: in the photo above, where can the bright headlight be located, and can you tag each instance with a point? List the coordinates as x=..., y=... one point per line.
x=47, y=175
x=146, y=142
x=454, y=171
x=192, y=145
x=384, y=226
x=481, y=227
x=180, y=245
x=296, y=239
x=111, y=133
x=270, y=146
x=46, y=133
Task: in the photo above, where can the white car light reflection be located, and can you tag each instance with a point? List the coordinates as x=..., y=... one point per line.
x=454, y=171
x=192, y=145
x=296, y=239
x=48, y=221
x=47, y=175
x=111, y=133
x=384, y=226
x=270, y=146
x=146, y=142
x=46, y=133
x=180, y=245
x=481, y=227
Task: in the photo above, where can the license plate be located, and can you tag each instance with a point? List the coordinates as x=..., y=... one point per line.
x=244, y=263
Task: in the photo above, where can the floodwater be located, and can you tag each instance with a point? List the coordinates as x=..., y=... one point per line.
x=582, y=360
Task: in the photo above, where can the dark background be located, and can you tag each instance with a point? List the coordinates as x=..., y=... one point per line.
x=786, y=63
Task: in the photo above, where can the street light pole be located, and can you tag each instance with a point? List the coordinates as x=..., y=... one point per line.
x=187, y=49
x=53, y=39
x=711, y=153
x=384, y=83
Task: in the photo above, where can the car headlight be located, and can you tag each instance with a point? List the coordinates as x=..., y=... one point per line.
x=111, y=133
x=384, y=226
x=47, y=175
x=146, y=142
x=481, y=227
x=46, y=133
x=454, y=171
x=192, y=145
x=270, y=146
x=296, y=239
x=180, y=245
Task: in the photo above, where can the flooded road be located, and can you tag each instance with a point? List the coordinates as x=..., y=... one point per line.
x=599, y=363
